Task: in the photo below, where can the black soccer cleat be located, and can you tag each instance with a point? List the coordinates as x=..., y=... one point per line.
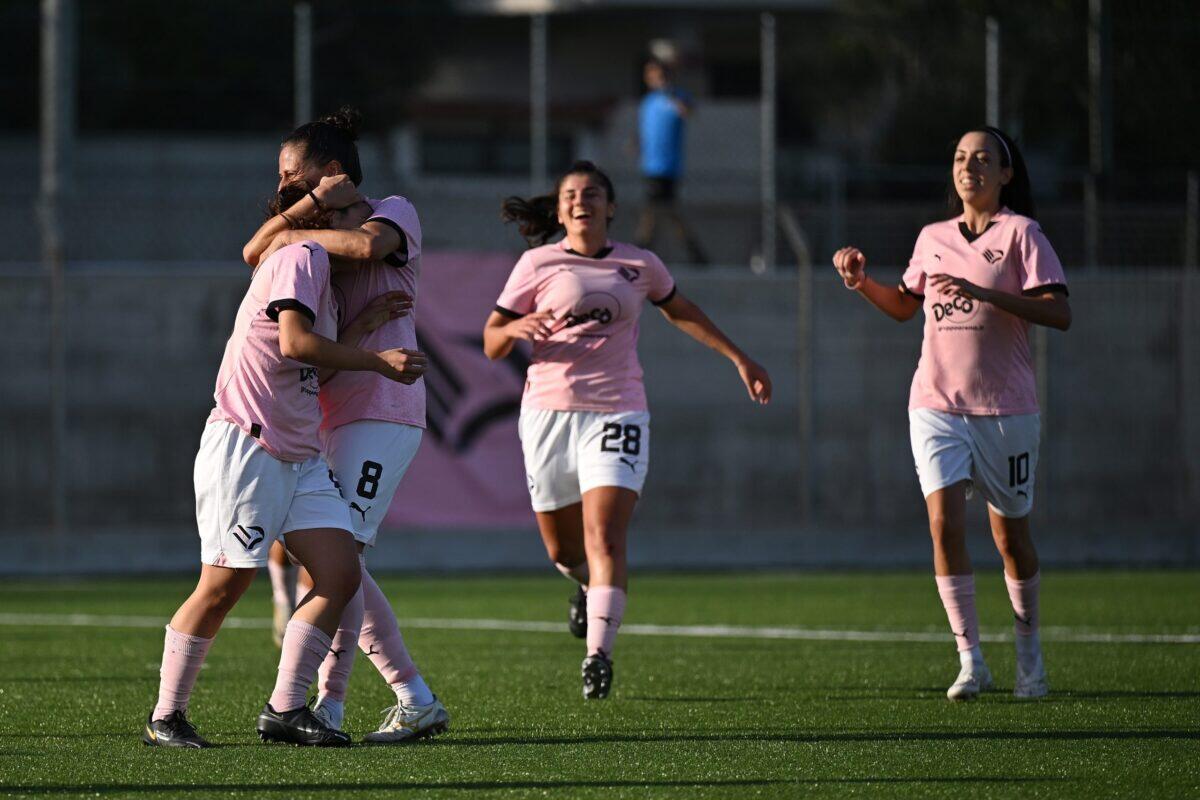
x=299, y=727
x=174, y=731
x=577, y=614
x=597, y=677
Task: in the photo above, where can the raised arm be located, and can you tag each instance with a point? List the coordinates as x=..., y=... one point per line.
x=851, y=266
x=689, y=318
x=334, y=191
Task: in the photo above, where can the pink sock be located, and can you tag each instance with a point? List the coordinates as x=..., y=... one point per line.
x=334, y=675
x=1024, y=597
x=577, y=573
x=182, y=657
x=380, y=638
x=304, y=648
x=605, y=609
x=281, y=593
x=958, y=597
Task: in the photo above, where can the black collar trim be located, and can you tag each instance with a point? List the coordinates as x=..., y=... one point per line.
x=601, y=253
x=971, y=235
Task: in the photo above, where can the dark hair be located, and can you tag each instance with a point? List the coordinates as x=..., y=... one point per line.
x=287, y=197
x=537, y=217
x=331, y=138
x=1017, y=194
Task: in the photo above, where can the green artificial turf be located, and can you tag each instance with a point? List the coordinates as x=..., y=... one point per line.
x=689, y=717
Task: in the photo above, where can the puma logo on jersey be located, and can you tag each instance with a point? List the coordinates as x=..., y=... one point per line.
x=307, y=374
x=628, y=273
x=337, y=654
x=361, y=510
x=631, y=464
x=249, y=537
x=993, y=256
x=372, y=651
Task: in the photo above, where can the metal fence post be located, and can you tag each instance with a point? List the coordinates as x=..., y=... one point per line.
x=538, y=103
x=302, y=61
x=57, y=129
x=767, y=112
x=992, y=48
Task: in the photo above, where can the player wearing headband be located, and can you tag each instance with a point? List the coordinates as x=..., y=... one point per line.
x=982, y=278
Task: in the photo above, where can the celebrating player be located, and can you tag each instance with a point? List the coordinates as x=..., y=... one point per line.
x=370, y=429
x=982, y=278
x=259, y=476
x=584, y=426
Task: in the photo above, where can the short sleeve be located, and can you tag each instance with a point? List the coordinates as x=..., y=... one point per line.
x=518, y=297
x=1040, y=268
x=299, y=276
x=913, y=281
x=661, y=286
x=400, y=215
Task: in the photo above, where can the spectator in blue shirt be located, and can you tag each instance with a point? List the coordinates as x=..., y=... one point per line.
x=661, y=118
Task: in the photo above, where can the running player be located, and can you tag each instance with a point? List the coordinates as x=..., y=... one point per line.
x=259, y=476
x=584, y=426
x=982, y=278
x=370, y=429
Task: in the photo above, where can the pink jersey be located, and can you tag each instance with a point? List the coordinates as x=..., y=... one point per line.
x=975, y=358
x=352, y=396
x=590, y=363
x=272, y=398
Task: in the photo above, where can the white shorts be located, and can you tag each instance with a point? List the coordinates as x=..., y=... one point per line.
x=368, y=458
x=246, y=498
x=998, y=455
x=569, y=452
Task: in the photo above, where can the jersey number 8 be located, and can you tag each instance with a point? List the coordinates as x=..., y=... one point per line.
x=368, y=484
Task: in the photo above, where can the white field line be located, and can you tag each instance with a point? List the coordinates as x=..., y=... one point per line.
x=1050, y=634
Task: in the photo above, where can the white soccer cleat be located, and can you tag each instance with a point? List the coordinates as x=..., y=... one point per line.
x=972, y=679
x=330, y=712
x=1031, y=672
x=405, y=723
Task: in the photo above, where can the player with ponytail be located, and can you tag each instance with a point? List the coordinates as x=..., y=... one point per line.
x=585, y=426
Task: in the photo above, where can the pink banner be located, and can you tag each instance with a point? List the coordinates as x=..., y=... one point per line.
x=469, y=472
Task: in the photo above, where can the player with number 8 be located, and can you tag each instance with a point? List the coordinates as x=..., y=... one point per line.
x=370, y=430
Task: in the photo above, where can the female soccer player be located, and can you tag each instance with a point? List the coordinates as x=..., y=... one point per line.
x=982, y=278
x=370, y=429
x=259, y=476
x=585, y=428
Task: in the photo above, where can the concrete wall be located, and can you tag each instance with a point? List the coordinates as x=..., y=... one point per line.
x=822, y=476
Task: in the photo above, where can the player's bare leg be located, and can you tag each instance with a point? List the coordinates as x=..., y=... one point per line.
x=1023, y=580
x=188, y=638
x=331, y=560
x=283, y=589
x=956, y=585
x=607, y=511
x=562, y=534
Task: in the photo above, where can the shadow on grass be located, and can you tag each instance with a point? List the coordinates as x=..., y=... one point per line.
x=814, y=738
x=649, y=699
x=170, y=789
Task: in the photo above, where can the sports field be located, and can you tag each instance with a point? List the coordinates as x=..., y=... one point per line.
x=759, y=685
